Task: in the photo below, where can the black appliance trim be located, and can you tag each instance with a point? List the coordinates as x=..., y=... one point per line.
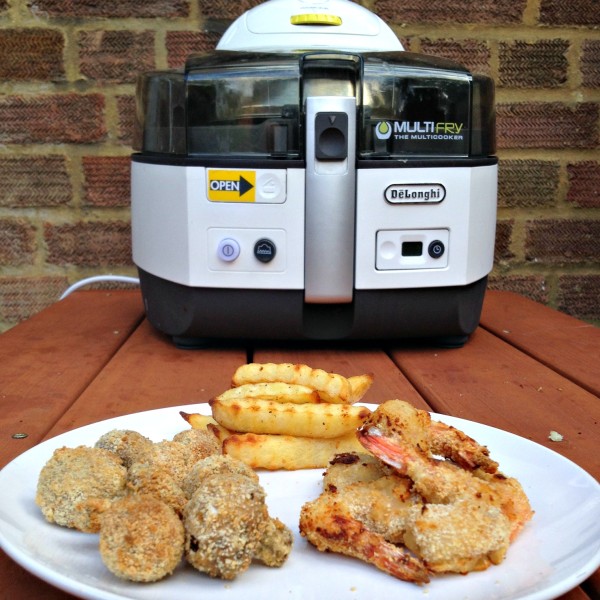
x=277, y=163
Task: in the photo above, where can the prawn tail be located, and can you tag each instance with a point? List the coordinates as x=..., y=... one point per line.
x=328, y=527
x=383, y=448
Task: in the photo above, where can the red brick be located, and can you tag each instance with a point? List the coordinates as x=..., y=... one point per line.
x=115, y=56
x=584, y=184
x=573, y=12
x=530, y=286
x=180, y=44
x=28, y=181
x=127, y=119
x=590, y=63
x=547, y=125
x=411, y=12
x=224, y=9
x=527, y=183
x=473, y=54
x=107, y=180
x=110, y=8
x=562, y=241
x=23, y=297
x=60, y=118
x=579, y=296
x=540, y=64
x=502, y=251
x=31, y=54
x=89, y=244
x=17, y=242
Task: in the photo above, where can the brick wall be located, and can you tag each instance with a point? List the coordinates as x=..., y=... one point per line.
x=67, y=74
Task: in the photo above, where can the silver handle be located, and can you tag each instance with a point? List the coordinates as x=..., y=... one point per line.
x=330, y=199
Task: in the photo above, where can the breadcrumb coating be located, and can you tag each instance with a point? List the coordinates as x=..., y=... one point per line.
x=213, y=465
x=174, y=458
x=144, y=478
x=463, y=538
x=275, y=544
x=129, y=445
x=141, y=538
x=155, y=502
x=224, y=522
x=202, y=442
x=77, y=484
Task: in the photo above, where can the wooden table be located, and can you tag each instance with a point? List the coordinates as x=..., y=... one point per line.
x=527, y=369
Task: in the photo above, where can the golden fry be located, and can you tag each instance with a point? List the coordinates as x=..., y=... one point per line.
x=359, y=386
x=198, y=421
x=303, y=420
x=288, y=452
x=276, y=391
x=330, y=386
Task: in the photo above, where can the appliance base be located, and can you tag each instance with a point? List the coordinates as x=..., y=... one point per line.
x=195, y=317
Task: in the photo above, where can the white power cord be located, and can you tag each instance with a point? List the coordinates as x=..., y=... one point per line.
x=98, y=278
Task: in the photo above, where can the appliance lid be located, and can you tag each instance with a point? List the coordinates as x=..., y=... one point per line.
x=288, y=25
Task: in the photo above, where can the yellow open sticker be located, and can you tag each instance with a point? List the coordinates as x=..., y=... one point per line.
x=231, y=185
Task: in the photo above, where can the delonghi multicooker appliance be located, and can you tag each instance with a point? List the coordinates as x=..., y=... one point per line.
x=309, y=179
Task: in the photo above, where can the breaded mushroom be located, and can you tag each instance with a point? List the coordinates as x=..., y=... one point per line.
x=212, y=465
x=224, y=522
x=275, y=544
x=77, y=484
x=141, y=538
x=173, y=457
x=202, y=442
x=144, y=478
x=129, y=445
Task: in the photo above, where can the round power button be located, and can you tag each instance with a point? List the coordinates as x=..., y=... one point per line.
x=436, y=249
x=228, y=249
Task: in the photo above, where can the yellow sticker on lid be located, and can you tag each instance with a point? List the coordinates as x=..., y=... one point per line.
x=315, y=19
x=231, y=186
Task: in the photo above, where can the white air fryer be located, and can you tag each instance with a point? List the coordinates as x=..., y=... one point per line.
x=309, y=179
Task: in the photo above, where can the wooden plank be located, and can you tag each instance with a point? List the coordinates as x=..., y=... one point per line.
x=150, y=372
x=567, y=345
x=19, y=583
x=47, y=361
x=592, y=585
x=491, y=382
x=576, y=594
x=389, y=382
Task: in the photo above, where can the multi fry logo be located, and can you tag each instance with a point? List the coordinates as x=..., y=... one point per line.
x=385, y=129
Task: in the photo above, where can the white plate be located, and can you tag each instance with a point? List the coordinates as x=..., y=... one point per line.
x=557, y=550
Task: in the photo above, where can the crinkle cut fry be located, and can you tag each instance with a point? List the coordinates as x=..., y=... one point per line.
x=330, y=386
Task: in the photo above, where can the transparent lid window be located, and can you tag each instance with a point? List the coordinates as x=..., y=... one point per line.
x=412, y=108
x=160, y=113
x=245, y=107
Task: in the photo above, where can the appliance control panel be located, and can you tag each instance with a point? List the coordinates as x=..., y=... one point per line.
x=412, y=249
x=246, y=250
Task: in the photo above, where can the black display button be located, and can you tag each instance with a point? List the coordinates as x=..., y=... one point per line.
x=331, y=136
x=436, y=249
x=265, y=250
